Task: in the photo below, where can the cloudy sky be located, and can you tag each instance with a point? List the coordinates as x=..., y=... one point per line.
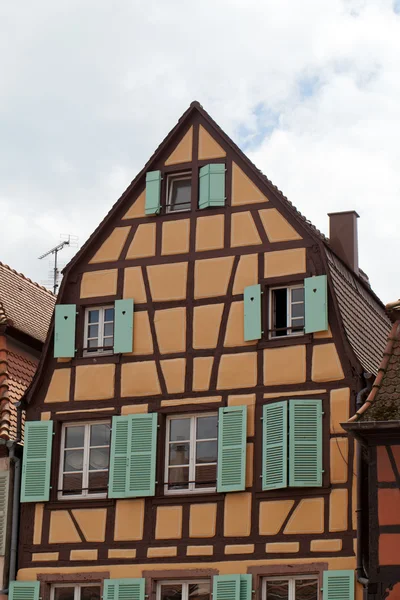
x=310, y=89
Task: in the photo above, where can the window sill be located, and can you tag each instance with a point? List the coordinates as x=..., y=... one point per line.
x=87, y=354
x=188, y=497
x=294, y=492
x=78, y=502
x=287, y=340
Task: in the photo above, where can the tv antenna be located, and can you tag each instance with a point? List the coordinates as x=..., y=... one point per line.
x=66, y=240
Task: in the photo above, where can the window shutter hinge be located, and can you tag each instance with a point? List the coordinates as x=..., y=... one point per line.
x=158, y=426
x=54, y=433
x=322, y=413
x=323, y=471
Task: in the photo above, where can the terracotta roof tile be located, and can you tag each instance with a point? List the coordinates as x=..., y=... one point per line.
x=27, y=305
x=20, y=373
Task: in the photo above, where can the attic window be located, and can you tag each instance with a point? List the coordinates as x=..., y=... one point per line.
x=179, y=192
x=99, y=330
x=287, y=311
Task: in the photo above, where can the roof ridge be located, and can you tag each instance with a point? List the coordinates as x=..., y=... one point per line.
x=25, y=278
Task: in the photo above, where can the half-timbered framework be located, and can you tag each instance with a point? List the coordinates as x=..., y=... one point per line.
x=183, y=430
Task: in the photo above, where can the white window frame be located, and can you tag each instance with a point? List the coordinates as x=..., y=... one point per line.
x=291, y=579
x=85, y=466
x=101, y=309
x=77, y=587
x=289, y=332
x=192, y=454
x=187, y=176
x=185, y=586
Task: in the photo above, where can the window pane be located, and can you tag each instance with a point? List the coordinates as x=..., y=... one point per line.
x=280, y=311
x=108, y=330
x=178, y=478
x=108, y=342
x=74, y=437
x=298, y=295
x=100, y=434
x=93, y=343
x=298, y=310
x=297, y=323
x=90, y=592
x=98, y=459
x=64, y=593
x=181, y=193
x=72, y=484
x=73, y=460
x=98, y=481
x=206, y=476
x=306, y=589
x=179, y=454
x=171, y=591
x=93, y=331
x=179, y=430
x=109, y=314
x=200, y=591
x=93, y=316
x=278, y=590
x=207, y=427
x=206, y=452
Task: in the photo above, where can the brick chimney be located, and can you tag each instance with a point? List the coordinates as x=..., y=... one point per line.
x=343, y=237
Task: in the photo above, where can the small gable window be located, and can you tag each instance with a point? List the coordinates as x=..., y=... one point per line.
x=287, y=311
x=85, y=449
x=179, y=192
x=72, y=591
x=99, y=330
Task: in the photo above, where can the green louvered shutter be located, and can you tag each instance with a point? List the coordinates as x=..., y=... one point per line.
x=123, y=326
x=231, y=470
x=124, y=589
x=143, y=451
x=64, y=330
x=133, y=456
x=226, y=587
x=245, y=587
x=4, y=487
x=252, y=313
x=338, y=585
x=24, y=590
x=153, y=193
x=275, y=443
x=212, y=185
x=36, y=463
x=305, y=443
x=316, y=304
x=120, y=442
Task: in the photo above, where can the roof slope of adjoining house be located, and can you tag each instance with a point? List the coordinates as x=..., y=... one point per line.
x=20, y=372
x=365, y=321
x=383, y=402
x=27, y=305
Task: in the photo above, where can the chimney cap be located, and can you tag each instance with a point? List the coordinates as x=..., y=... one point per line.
x=344, y=212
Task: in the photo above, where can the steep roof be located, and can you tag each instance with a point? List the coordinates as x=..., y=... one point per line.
x=26, y=305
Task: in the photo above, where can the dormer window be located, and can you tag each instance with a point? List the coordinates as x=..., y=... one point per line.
x=179, y=192
x=99, y=330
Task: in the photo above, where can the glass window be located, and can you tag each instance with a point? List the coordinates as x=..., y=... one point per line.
x=287, y=311
x=99, y=330
x=179, y=590
x=85, y=591
x=84, y=460
x=191, y=453
x=291, y=588
x=179, y=192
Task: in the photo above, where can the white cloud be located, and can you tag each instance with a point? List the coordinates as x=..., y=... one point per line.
x=89, y=89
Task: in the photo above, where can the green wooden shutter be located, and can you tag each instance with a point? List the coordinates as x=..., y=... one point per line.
x=120, y=442
x=24, y=590
x=245, y=587
x=231, y=470
x=36, y=463
x=124, y=589
x=316, y=304
x=275, y=443
x=123, y=326
x=133, y=456
x=338, y=585
x=226, y=587
x=212, y=185
x=4, y=487
x=153, y=193
x=64, y=330
x=305, y=443
x=252, y=312
x=142, y=472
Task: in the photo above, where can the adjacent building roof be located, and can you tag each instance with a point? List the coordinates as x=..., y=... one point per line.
x=26, y=305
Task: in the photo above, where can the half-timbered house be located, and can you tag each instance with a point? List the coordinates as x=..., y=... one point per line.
x=183, y=431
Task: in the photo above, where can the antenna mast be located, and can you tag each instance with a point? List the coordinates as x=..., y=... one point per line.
x=69, y=241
